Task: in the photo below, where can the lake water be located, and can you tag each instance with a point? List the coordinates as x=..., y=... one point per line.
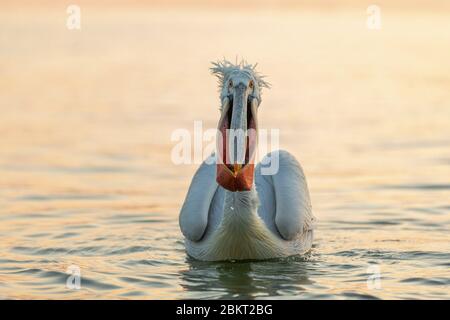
x=87, y=181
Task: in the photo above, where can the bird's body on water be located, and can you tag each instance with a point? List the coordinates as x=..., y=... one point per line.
x=234, y=210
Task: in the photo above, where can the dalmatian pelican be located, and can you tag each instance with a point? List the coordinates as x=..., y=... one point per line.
x=234, y=210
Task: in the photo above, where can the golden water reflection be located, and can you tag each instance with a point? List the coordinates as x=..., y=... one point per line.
x=87, y=179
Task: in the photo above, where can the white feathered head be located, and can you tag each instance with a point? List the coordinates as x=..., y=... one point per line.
x=230, y=74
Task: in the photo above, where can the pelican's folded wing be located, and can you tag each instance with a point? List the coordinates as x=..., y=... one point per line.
x=194, y=213
x=293, y=214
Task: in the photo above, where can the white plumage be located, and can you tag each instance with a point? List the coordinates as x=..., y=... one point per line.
x=274, y=219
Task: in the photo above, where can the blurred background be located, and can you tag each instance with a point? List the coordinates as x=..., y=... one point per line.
x=86, y=176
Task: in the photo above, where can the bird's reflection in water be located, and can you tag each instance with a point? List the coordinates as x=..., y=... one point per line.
x=247, y=279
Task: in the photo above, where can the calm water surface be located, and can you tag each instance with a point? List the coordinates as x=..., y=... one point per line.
x=86, y=177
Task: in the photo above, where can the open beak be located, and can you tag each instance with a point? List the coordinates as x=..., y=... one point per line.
x=237, y=141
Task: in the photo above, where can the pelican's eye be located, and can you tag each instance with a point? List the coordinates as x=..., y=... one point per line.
x=250, y=84
x=230, y=84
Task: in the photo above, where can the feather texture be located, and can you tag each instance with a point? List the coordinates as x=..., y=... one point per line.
x=273, y=219
x=224, y=69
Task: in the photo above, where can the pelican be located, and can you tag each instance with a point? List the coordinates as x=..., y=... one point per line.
x=233, y=210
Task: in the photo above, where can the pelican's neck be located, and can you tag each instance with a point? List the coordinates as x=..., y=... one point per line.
x=240, y=208
x=242, y=234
